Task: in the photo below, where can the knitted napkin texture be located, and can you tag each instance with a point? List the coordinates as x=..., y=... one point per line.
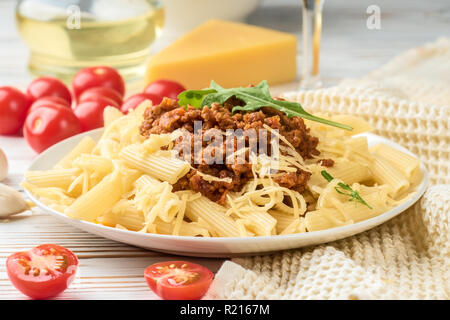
x=408, y=257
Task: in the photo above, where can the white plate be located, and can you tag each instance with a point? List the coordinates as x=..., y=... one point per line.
x=216, y=247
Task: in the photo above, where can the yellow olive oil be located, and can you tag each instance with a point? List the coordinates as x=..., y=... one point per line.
x=63, y=44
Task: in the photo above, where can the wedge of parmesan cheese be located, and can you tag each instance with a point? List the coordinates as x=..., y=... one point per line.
x=232, y=54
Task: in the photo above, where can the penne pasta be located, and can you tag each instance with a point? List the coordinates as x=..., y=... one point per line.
x=261, y=223
x=403, y=162
x=385, y=173
x=145, y=180
x=93, y=163
x=160, y=167
x=86, y=145
x=59, y=178
x=324, y=219
x=49, y=195
x=93, y=203
x=110, y=114
x=214, y=215
x=350, y=172
x=359, y=125
x=292, y=227
x=191, y=229
x=283, y=220
x=124, y=213
x=355, y=212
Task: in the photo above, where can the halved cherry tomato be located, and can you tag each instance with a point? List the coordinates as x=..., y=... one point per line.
x=97, y=77
x=48, y=125
x=48, y=87
x=135, y=100
x=165, y=88
x=42, y=272
x=101, y=92
x=46, y=101
x=178, y=280
x=90, y=113
x=13, y=110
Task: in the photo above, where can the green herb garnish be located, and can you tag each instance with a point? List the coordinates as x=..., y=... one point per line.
x=345, y=189
x=254, y=98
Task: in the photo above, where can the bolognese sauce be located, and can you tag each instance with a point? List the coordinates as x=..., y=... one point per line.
x=168, y=116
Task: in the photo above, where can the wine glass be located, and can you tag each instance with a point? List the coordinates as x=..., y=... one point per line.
x=311, y=36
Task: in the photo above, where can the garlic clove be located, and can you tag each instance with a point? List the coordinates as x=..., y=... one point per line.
x=11, y=202
x=3, y=165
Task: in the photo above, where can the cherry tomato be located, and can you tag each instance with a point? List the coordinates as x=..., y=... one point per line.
x=90, y=113
x=42, y=272
x=101, y=92
x=178, y=280
x=110, y=102
x=165, y=88
x=97, y=77
x=47, y=101
x=48, y=86
x=48, y=125
x=13, y=110
x=135, y=100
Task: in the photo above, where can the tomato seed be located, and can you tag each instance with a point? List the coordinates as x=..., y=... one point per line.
x=36, y=272
x=23, y=262
x=27, y=270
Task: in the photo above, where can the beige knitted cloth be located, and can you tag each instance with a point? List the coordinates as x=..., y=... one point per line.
x=408, y=101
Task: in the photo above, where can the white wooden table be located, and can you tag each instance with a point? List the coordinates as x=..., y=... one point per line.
x=111, y=270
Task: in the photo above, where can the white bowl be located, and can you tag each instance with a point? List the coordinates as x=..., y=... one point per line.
x=184, y=15
x=216, y=247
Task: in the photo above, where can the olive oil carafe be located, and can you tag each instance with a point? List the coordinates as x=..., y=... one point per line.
x=66, y=35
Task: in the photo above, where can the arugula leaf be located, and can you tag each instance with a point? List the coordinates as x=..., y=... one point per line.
x=345, y=189
x=193, y=97
x=254, y=98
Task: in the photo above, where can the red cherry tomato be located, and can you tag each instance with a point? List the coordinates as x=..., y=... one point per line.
x=48, y=86
x=178, y=280
x=13, y=110
x=135, y=100
x=97, y=77
x=165, y=88
x=48, y=125
x=90, y=113
x=48, y=101
x=42, y=272
x=110, y=102
x=101, y=92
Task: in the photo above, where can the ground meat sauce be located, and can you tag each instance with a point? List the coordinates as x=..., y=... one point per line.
x=326, y=162
x=169, y=116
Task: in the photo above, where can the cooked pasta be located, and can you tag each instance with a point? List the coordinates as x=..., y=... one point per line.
x=86, y=145
x=407, y=164
x=385, y=173
x=162, y=167
x=213, y=215
x=100, y=198
x=139, y=182
x=59, y=178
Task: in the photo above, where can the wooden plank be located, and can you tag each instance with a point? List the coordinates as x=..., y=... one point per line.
x=107, y=269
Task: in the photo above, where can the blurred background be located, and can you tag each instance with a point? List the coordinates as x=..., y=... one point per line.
x=349, y=47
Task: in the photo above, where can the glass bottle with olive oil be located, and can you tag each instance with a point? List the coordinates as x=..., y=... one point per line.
x=66, y=35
